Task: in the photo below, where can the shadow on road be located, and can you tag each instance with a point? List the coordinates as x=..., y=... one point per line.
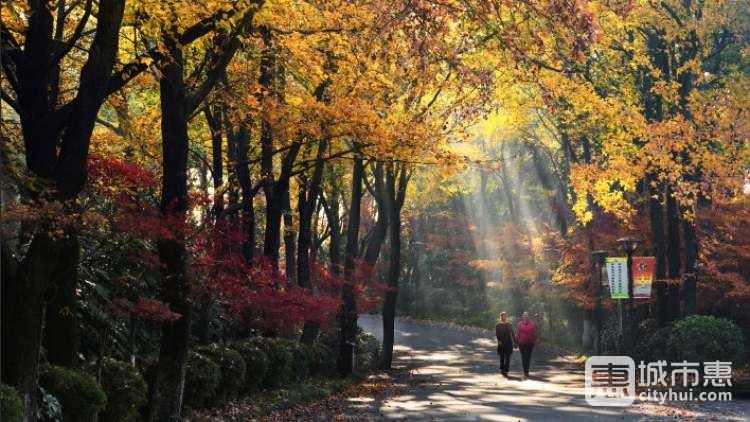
x=456, y=376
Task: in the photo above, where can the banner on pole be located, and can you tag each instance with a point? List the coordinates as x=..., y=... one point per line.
x=617, y=274
x=644, y=268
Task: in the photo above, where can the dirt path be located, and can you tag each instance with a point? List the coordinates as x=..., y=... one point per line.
x=456, y=378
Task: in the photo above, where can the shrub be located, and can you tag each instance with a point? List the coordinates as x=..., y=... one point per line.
x=232, y=368
x=79, y=394
x=256, y=364
x=149, y=369
x=125, y=388
x=11, y=407
x=323, y=360
x=280, y=360
x=202, y=377
x=325, y=350
x=303, y=359
x=702, y=338
x=654, y=346
x=49, y=408
x=367, y=351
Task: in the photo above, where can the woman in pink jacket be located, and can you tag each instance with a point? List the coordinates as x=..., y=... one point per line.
x=526, y=337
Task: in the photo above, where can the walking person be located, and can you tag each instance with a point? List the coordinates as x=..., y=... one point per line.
x=526, y=339
x=505, y=340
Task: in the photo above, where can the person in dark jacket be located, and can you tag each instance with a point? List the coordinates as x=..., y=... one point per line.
x=506, y=338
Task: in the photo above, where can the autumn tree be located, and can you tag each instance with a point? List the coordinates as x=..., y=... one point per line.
x=38, y=41
x=179, y=102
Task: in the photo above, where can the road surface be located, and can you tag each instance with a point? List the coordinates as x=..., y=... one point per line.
x=458, y=379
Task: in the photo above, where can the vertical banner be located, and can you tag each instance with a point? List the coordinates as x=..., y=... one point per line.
x=644, y=268
x=617, y=274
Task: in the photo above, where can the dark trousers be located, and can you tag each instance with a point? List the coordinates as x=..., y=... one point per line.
x=526, y=356
x=505, y=361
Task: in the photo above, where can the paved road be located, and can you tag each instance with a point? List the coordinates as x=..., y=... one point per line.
x=458, y=379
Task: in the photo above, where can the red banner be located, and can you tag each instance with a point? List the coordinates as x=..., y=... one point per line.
x=644, y=268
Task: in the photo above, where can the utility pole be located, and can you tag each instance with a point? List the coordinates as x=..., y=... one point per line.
x=629, y=245
x=597, y=260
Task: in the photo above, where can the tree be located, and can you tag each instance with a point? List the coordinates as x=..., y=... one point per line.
x=56, y=139
x=178, y=104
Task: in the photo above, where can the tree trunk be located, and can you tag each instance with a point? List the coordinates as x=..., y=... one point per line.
x=690, y=288
x=276, y=191
x=61, y=327
x=331, y=207
x=242, y=171
x=673, y=256
x=380, y=231
x=395, y=195
x=177, y=105
x=656, y=211
x=290, y=239
x=214, y=121
x=348, y=312
x=172, y=252
x=23, y=312
x=690, y=275
x=56, y=141
x=557, y=200
x=213, y=118
x=277, y=200
x=508, y=187
x=307, y=205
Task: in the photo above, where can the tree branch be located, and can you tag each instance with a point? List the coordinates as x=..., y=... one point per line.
x=111, y=127
x=10, y=101
x=218, y=67
x=76, y=34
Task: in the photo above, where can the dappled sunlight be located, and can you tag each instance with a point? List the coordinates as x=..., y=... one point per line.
x=456, y=377
x=484, y=342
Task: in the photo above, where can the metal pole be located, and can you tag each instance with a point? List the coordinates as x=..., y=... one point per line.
x=598, y=315
x=631, y=318
x=598, y=258
x=619, y=315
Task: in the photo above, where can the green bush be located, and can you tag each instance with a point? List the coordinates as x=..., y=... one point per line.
x=302, y=358
x=323, y=355
x=280, y=361
x=654, y=346
x=202, y=378
x=702, y=338
x=367, y=351
x=79, y=394
x=256, y=363
x=326, y=348
x=125, y=388
x=49, y=408
x=149, y=369
x=232, y=367
x=11, y=407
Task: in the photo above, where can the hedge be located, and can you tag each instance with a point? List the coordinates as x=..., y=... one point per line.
x=202, y=377
x=11, y=407
x=79, y=394
x=257, y=363
x=703, y=338
x=232, y=367
x=125, y=388
x=280, y=360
